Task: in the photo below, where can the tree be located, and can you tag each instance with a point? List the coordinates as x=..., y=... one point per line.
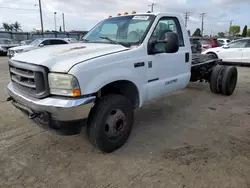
x=189, y=32
x=11, y=27
x=235, y=29
x=60, y=29
x=221, y=34
x=244, y=33
x=6, y=27
x=17, y=26
x=248, y=32
x=197, y=33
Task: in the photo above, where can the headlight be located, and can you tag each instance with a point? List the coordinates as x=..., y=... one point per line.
x=64, y=84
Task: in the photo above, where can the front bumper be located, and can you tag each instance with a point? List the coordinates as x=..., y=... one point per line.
x=60, y=109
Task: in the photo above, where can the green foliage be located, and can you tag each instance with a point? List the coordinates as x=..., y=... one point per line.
x=12, y=27
x=17, y=26
x=244, y=33
x=221, y=34
x=197, y=33
x=235, y=29
x=6, y=26
x=248, y=32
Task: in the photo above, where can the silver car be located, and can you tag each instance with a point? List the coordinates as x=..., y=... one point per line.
x=38, y=43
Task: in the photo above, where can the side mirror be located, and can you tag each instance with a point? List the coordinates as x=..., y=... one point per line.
x=171, y=44
x=41, y=45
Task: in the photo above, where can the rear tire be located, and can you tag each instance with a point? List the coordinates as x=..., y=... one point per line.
x=229, y=80
x=110, y=122
x=215, y=83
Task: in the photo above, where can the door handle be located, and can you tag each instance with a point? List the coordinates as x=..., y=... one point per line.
x=240, y=50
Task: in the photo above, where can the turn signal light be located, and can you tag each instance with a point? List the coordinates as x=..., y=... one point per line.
x=76, y=92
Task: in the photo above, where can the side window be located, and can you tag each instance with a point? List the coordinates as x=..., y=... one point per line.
x=248, y=44
x=166, y=24
x=55, y=42
x=238, y=44
x=46, y=42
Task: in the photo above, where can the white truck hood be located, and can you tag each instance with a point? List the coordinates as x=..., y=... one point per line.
x=25, y=47
x=61, y=58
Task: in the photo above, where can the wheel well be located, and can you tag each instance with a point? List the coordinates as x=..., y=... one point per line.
x=122, y=87
x=212, y=53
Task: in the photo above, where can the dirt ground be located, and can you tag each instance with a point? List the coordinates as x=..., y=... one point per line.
x=191, y=139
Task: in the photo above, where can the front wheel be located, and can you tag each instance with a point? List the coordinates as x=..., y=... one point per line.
x=110, y=122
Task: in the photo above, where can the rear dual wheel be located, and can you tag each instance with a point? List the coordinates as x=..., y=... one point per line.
x=223, y=79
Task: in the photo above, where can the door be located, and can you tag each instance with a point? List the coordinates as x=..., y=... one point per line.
x=167, y=72
x=234, y=51
x=246, y=53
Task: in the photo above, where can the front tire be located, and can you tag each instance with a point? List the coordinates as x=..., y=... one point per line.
x=110, y=122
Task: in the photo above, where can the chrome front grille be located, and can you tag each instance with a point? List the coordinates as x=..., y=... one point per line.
x=29, y=78
x=25, y=78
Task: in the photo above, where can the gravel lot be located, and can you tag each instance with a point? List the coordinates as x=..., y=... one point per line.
x=190, y=139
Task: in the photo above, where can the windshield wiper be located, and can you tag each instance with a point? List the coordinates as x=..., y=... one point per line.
x=112, y=41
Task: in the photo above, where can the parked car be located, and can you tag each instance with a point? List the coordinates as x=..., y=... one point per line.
x=5, y=44
x=210, y=43
x=71, y=40
x=223, y=41
x=38, y=43
x=237, y=51
x=103, y=80
x=25, y=42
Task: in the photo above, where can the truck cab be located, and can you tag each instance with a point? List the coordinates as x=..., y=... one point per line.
x=121, y=63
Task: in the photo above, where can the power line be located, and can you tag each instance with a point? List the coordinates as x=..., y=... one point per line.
x=186, y=16
x=18, y=8
x=152, y=6
x=202, y=22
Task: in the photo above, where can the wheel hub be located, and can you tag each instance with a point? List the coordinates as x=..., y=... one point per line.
x=115, y=124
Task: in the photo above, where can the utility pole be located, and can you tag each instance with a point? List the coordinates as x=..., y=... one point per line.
x=202, y=22
x=231, y=23
x=55, y=20
x=63, y=22
x=152, y=6
x=186, y=16
x=41, y=16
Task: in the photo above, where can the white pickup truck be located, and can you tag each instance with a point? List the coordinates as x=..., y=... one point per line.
x=122, y=63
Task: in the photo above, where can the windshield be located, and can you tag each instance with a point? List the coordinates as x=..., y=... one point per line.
x=36, y=42
x=126, y=30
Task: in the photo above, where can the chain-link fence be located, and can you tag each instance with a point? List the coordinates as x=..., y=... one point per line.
x=29, y=36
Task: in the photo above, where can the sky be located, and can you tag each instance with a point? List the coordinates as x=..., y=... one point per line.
x=84, y=14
